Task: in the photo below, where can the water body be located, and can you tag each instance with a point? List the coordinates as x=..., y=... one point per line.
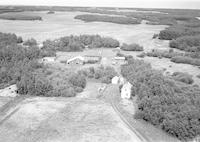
x=63, y=24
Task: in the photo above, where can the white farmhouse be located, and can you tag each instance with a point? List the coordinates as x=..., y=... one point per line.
x=126, y=91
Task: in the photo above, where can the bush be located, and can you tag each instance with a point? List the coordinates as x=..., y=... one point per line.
x=78, y=43
x=186, y=60
x=105, y=74
x=183, y=77
x=187, y=43
x=8, y=39
x=176, y=31
x=163, y=102
x=155, y=36
x=30, y=42
x=165, y=54
x=142, y=55
x=19, y=40
x=77, y=80
x=36, y=85
x=132, y=47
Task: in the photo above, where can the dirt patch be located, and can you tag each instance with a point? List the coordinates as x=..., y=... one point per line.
x=65, y=119
x=9, y=91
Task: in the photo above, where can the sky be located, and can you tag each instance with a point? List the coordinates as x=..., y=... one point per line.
x=192, y=4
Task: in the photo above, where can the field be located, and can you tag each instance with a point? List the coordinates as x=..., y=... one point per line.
x=66, y=103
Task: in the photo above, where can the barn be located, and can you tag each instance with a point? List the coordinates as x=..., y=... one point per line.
x=79, y=60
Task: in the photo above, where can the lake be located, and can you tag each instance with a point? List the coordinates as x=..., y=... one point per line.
x=63, y=24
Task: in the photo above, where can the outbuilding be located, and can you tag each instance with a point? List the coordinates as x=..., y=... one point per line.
x=79, y=60
x=115, y=80
x=48, y=59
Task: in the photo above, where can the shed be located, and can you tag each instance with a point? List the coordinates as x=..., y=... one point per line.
x=126, y=91
x=76, y=60
x=115, y=80
x=48, y=59
x=120, y=58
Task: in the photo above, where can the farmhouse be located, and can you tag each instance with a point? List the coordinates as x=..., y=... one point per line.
x=79, y=60
x=126, y=91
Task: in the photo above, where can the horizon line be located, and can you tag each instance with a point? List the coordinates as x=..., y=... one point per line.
x=178, y=8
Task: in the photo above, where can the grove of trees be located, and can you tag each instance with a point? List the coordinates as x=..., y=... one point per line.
x=79, y=43
x=20, y=65
x=105, y=18
x=164, y=102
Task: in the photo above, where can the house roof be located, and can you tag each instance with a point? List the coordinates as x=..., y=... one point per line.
x=77, y=57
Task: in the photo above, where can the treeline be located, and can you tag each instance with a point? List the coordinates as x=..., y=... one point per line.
x=132, y=47
x=19, y=16
x=20, y=65
x=192, y=58
x=176, y=31
x=164, y=102
x=9, y=39
x=105, y=18
x=79, y=43
x=187, y=43
x=184, y=36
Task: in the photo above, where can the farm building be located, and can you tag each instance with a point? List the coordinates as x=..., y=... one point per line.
x=118, y=80
x=117, y=50
x=79, y=60
x=126, y=91
x=48, y=59
x=115, y=80
x=120, y=58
